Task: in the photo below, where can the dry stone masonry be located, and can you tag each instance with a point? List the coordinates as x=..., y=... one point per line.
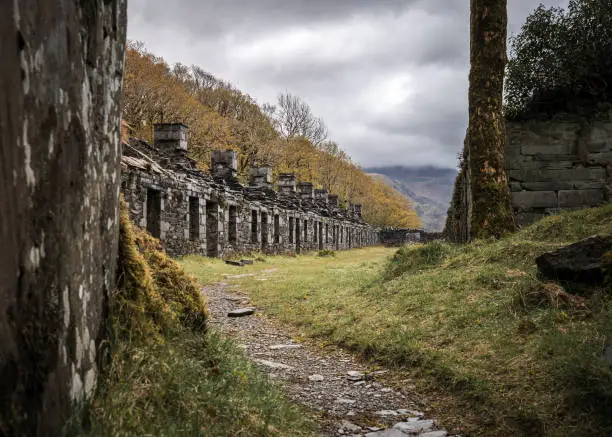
x=561, y=163
x=214, y=215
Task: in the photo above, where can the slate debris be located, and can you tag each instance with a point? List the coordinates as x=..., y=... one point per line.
x=246, y=262
x=234, y=263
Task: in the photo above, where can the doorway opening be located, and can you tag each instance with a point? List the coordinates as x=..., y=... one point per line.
x=212, y=229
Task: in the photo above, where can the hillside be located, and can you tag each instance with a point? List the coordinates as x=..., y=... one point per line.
x=220, y=116
x=428, y=189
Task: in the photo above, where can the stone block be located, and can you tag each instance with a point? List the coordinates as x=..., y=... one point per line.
x=306, y=190
x=589, y=185
x=515, y=186
x=603, y=158
x=170, y=136
x=548, y=185
x=580, y=198
x=224, y=164
x=599, y=139
x=534, y=199
x=544, y=175
x=553, y=149
x=286, y=182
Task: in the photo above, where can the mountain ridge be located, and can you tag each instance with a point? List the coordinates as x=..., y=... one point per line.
x=428, y=188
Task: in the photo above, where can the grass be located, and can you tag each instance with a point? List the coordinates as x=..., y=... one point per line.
x=166, y=372
x=189, y=385
x=516, y=355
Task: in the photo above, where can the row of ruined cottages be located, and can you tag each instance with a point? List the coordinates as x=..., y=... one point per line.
x=193, y=212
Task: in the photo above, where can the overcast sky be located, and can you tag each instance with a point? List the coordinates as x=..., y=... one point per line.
x=389, y=77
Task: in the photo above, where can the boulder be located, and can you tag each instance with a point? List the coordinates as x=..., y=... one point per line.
x=579, y=262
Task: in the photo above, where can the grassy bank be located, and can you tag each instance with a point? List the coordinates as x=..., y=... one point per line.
x=519, y=356
x=166, y=373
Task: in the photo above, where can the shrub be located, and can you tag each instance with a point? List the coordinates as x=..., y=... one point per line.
x=560, y=61
x=326, y=252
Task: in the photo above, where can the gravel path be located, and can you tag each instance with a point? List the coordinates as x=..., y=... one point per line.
x=349, y=400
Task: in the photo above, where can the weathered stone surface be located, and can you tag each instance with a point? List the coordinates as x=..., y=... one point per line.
x=578, y=262
x=273, y=364
x=387, y=433
x=434, y=434
x=347, y=427
x=415, y=427
x=60, y=86
x=565, y=153
x=553, y=149
x=246, y=261
x=345, y=401
x=354, y=375
x=534, y=199
x=277, y=347
x=580, y=198
x=316, y=378
x=241, y=312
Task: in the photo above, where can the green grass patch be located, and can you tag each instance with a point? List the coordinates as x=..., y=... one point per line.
x=471, y=320
x=190, y=385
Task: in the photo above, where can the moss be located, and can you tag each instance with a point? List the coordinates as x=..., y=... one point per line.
x=177, y=289
x=153, y=295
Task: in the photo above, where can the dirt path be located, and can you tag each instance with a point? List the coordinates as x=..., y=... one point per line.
x=349, y=401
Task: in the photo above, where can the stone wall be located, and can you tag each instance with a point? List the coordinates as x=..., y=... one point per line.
x=561, y=163
x=60, y=84
x=399, y=237
x=214, y=215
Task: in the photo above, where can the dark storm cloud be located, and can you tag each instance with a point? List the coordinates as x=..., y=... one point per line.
x=388, y=76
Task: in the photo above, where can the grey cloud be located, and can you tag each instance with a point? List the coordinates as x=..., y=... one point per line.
x=388, y=76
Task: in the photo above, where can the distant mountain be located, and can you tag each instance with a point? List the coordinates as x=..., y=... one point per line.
x=428, y=188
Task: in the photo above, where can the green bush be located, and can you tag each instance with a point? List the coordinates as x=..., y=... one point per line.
x=560, y=61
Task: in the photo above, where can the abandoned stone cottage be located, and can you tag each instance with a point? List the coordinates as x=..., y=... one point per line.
x=214, y=215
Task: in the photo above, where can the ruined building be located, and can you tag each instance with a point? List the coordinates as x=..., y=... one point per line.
x=214, y=215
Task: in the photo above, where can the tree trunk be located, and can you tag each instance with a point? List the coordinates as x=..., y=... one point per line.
x=491, y=203
x=60, y=89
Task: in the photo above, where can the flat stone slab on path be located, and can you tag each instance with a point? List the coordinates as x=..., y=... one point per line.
x=241, y=312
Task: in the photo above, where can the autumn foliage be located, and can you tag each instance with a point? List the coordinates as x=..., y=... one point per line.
x=222, y=117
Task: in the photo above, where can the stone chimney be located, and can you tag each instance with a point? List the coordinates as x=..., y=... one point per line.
x=306, y=190
x=357, y=210
x=261, y=177
x=224, y=164
x=321, y=195
x=332, y=199
x=286, y=183
x=170, y=137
